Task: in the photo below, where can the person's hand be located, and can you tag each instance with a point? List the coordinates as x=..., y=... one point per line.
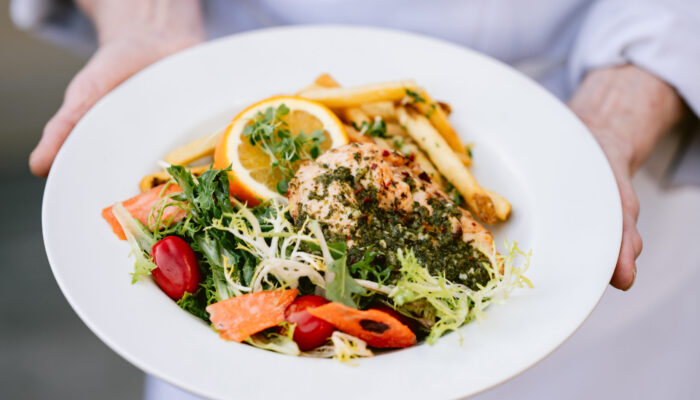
x=132, y=34
x=627, y=109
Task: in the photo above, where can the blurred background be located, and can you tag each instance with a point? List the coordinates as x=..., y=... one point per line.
x=46, y=352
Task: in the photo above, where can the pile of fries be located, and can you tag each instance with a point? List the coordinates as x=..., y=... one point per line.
x=416, y=126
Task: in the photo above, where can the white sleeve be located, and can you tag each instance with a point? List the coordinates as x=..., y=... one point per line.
x=660, y=36
x=57, y=21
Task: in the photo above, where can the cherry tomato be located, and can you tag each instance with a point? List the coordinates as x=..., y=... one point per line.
x=177, y=269
x=310, y=331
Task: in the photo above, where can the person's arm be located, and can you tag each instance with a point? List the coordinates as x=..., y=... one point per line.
x=132, y=34
x=627, y=109
x=632, y=62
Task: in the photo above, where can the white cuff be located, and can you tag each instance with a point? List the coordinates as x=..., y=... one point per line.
x=661, y=36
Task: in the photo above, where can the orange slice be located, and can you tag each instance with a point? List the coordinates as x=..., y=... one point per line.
x=252, y=177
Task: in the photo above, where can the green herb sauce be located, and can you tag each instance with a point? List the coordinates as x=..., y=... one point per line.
x=383, y=232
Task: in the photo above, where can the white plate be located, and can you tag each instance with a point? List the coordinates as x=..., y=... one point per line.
x=528, y=147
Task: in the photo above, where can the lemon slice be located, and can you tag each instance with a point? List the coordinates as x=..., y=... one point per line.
x=253, y=179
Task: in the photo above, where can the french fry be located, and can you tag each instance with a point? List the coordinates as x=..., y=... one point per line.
x=322, y=81
x=501, y=205
x=437, y=116
x=354, y=116
x=325, y=80
x=386, y=110
x=395, y=129
x=343, y=97
x=355, y=136
x=360, y=104
x=449, y=165
x=357, y=115
x=150, y=181
x=349, y=115
x=446, y=108
x=194, y=150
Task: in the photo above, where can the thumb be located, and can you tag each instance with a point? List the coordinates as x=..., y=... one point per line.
x=111, y=65
x=82, y=93
x=105, y=70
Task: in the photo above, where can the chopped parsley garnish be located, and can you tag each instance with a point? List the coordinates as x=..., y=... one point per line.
x=271, y=131
x=365, y=270
x=415, y=97
x=430, y=112
x=374, y=129
x=454, y=195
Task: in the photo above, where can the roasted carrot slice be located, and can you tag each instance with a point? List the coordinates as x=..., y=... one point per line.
x=240, y=317
x=375, y=327
x=140, y=207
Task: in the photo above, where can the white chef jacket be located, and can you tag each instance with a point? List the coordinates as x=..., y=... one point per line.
x=554, y=41
x=642, y=344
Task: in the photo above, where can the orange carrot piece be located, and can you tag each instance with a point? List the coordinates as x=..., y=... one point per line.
x=240, y=317
x=375, y=327
x=140, y=207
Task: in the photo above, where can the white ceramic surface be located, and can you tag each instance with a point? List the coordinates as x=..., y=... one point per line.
x=528, y=147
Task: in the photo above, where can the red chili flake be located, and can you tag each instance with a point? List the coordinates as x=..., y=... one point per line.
x=473, y=223
x=444, y=229
x=412, y=157
x=366, y=199
x=471, y=258
x=385, y=153
x=404, y=173
x=374, y=166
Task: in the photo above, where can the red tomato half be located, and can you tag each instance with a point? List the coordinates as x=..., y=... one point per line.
x=178, y=269
x=310, y=331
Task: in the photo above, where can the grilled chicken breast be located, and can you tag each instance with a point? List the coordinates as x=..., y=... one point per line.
x=379, y=200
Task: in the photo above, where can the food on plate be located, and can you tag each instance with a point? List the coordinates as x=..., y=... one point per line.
x=266, y=143
x=374, y=327
x=432, y=110
x=374, y=198
x=330, y=223
x=177, y=269
x=142, y=208
x=240, y=317
x=336, y=97
x=386, y=110
x=420, y=129
x=159, y=178
x=309, y=332
x=194, y=150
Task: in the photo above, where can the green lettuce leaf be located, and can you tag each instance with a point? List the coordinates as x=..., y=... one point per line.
x=343, y=286
x=140, y=240
x=195, y=304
